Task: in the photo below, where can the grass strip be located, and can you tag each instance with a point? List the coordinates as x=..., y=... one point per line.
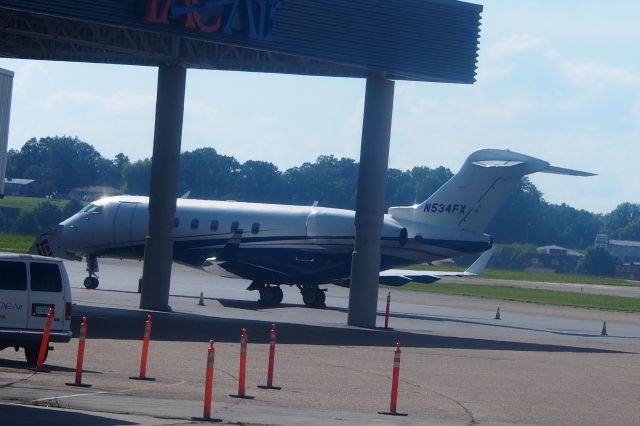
x=544, y=277
x=530, y=295
x=15, y=243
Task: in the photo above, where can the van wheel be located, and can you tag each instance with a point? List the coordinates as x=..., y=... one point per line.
x=31, y=352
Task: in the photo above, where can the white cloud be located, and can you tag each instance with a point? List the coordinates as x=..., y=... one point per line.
x=597, y=75
x=512, y=44
x=119, y=103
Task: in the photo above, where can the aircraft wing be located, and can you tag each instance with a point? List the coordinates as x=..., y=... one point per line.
x=400, y=277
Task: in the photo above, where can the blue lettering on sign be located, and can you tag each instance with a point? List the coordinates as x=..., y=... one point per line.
x=258, y=14
x=445, y=208
x=10, y=306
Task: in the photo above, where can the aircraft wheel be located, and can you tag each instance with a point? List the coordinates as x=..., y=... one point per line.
x=279, y=295
x=268, y=295
x=91, y=283
x=314, y=298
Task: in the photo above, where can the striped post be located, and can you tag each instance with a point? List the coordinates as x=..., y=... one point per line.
x=394, y=384
x=45, y=340
x=243, y=367
x=386, y=315
x=145, y=351
x=272, y=355
x=208, y=383
x=243, y=363
x=80, y=359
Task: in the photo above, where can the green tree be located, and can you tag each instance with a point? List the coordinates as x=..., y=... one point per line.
x=621, y=216
x=629, y=232
x=72, y=207
x=47, y=215
x=598, y=261
x=137, y=177
x=26, y=224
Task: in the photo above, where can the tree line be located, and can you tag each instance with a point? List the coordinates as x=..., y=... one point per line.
x=61, y=163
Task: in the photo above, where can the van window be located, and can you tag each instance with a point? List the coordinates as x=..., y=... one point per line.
x=45, y=277
x=234, y=226
x=14, y=276
x=176, y=222
x=195, y=223
x=214, y=225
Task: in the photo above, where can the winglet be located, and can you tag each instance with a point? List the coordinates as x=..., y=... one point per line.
x=477, y=267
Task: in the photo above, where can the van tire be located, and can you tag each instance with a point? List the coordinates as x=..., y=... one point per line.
x=31, y=353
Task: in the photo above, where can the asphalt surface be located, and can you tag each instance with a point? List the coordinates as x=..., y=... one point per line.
x=460, y=366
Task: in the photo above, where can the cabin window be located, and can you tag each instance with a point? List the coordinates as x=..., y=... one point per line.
x=234, y=226
x=214, y=225
x=195, y=223
x=176, y=222
x=255, y=228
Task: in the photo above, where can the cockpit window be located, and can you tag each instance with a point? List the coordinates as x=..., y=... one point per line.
x=92, y=208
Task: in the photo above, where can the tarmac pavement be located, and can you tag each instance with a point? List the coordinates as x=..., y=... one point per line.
x=538, y=365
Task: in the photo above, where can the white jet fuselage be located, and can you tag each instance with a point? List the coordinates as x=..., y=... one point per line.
x=277, y=244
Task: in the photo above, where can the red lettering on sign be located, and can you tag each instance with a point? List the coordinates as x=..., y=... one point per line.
x=158, y=15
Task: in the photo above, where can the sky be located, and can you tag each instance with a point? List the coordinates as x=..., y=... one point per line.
x=558, y=80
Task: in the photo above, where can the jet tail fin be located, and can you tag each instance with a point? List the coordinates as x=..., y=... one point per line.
x=471, y=198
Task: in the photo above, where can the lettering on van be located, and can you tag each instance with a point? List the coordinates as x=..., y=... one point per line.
x=10, y=306
x=445, y=208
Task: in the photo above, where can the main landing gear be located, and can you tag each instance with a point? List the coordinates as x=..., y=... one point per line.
x=270, y=295
x=312, y=295
x=92, y=282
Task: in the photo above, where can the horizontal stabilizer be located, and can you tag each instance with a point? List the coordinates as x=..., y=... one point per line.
x=562, y=171
x=400, y=277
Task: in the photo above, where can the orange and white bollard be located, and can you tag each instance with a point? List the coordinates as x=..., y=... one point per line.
x=386, y=315
x=80, y=359
x=208, y=386
x=394, y=385
x=272, y=355
x=242, y=374
x=145, y=351
x=44, y=343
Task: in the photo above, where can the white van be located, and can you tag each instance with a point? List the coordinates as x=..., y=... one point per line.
x=29, y=286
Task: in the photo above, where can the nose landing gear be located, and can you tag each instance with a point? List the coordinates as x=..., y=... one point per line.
x=92, y=282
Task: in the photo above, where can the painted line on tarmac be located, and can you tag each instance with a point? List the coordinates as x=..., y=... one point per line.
x=68, y=396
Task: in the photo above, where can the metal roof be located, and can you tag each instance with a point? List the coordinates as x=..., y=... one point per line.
x=425, y=40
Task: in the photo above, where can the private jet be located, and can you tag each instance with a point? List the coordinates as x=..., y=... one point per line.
x=305, y=246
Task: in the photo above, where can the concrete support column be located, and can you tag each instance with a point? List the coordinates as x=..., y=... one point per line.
x=372, y=178
x=165, y=163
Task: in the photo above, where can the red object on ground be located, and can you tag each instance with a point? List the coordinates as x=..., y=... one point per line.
x=272, y=355
x=80, y=359
x=386, y=315
x=243, y=363
x=208, y=383
x=145, y=351
x=394, y=382
x=45, y=340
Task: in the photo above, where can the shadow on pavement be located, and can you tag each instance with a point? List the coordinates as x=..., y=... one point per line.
x=128, y=324
x=19, y=415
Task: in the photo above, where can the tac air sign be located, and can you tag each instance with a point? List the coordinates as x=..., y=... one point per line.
x=253, y=18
